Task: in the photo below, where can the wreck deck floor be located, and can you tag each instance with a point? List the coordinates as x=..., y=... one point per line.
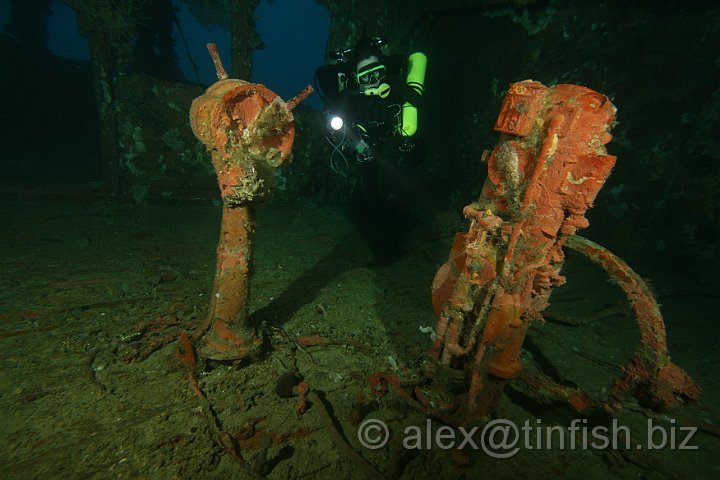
x=77, y=280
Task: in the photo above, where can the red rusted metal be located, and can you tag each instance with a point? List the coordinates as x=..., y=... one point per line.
x=650, y=375
x=219, y=68
x=249, y=132
x=543, y=175
x=295, y=101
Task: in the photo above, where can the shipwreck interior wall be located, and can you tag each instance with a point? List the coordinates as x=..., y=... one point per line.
x=656, y=60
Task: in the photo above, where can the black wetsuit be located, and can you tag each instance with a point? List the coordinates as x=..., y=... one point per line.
x=377, y=118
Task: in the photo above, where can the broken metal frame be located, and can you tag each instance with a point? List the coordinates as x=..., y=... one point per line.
x=543, y=175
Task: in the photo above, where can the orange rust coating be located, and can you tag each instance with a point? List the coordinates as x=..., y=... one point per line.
x=231, y=119
x=243, y=106
x=302, y=389
x=543, y=175
x=531, y=191
x=228, y=177
x=231, y=288
x=219, y=69
x=186, y=352
x=312, y=340
x=647, y=312
x=380, y=382
x=445, y=278
x=519, y=108
x=249, y=131
x=504, y=328
x=650, y=374
x=295, y=101
x=230, y=334
x=578, y=399
x=672, y=387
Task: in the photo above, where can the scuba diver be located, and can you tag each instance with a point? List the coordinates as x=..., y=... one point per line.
x=371, y=100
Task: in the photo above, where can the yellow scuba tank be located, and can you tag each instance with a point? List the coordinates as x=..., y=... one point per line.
x=417, y=62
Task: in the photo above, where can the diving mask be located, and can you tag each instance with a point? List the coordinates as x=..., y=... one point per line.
x=370, y=75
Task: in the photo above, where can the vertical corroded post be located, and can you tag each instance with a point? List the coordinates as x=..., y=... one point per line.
x=243, y=37
x=231, y=334
x=249, y=132
x=101, y=52
x=109, y=27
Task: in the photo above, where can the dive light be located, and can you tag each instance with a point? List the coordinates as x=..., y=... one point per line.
x=336, y=122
